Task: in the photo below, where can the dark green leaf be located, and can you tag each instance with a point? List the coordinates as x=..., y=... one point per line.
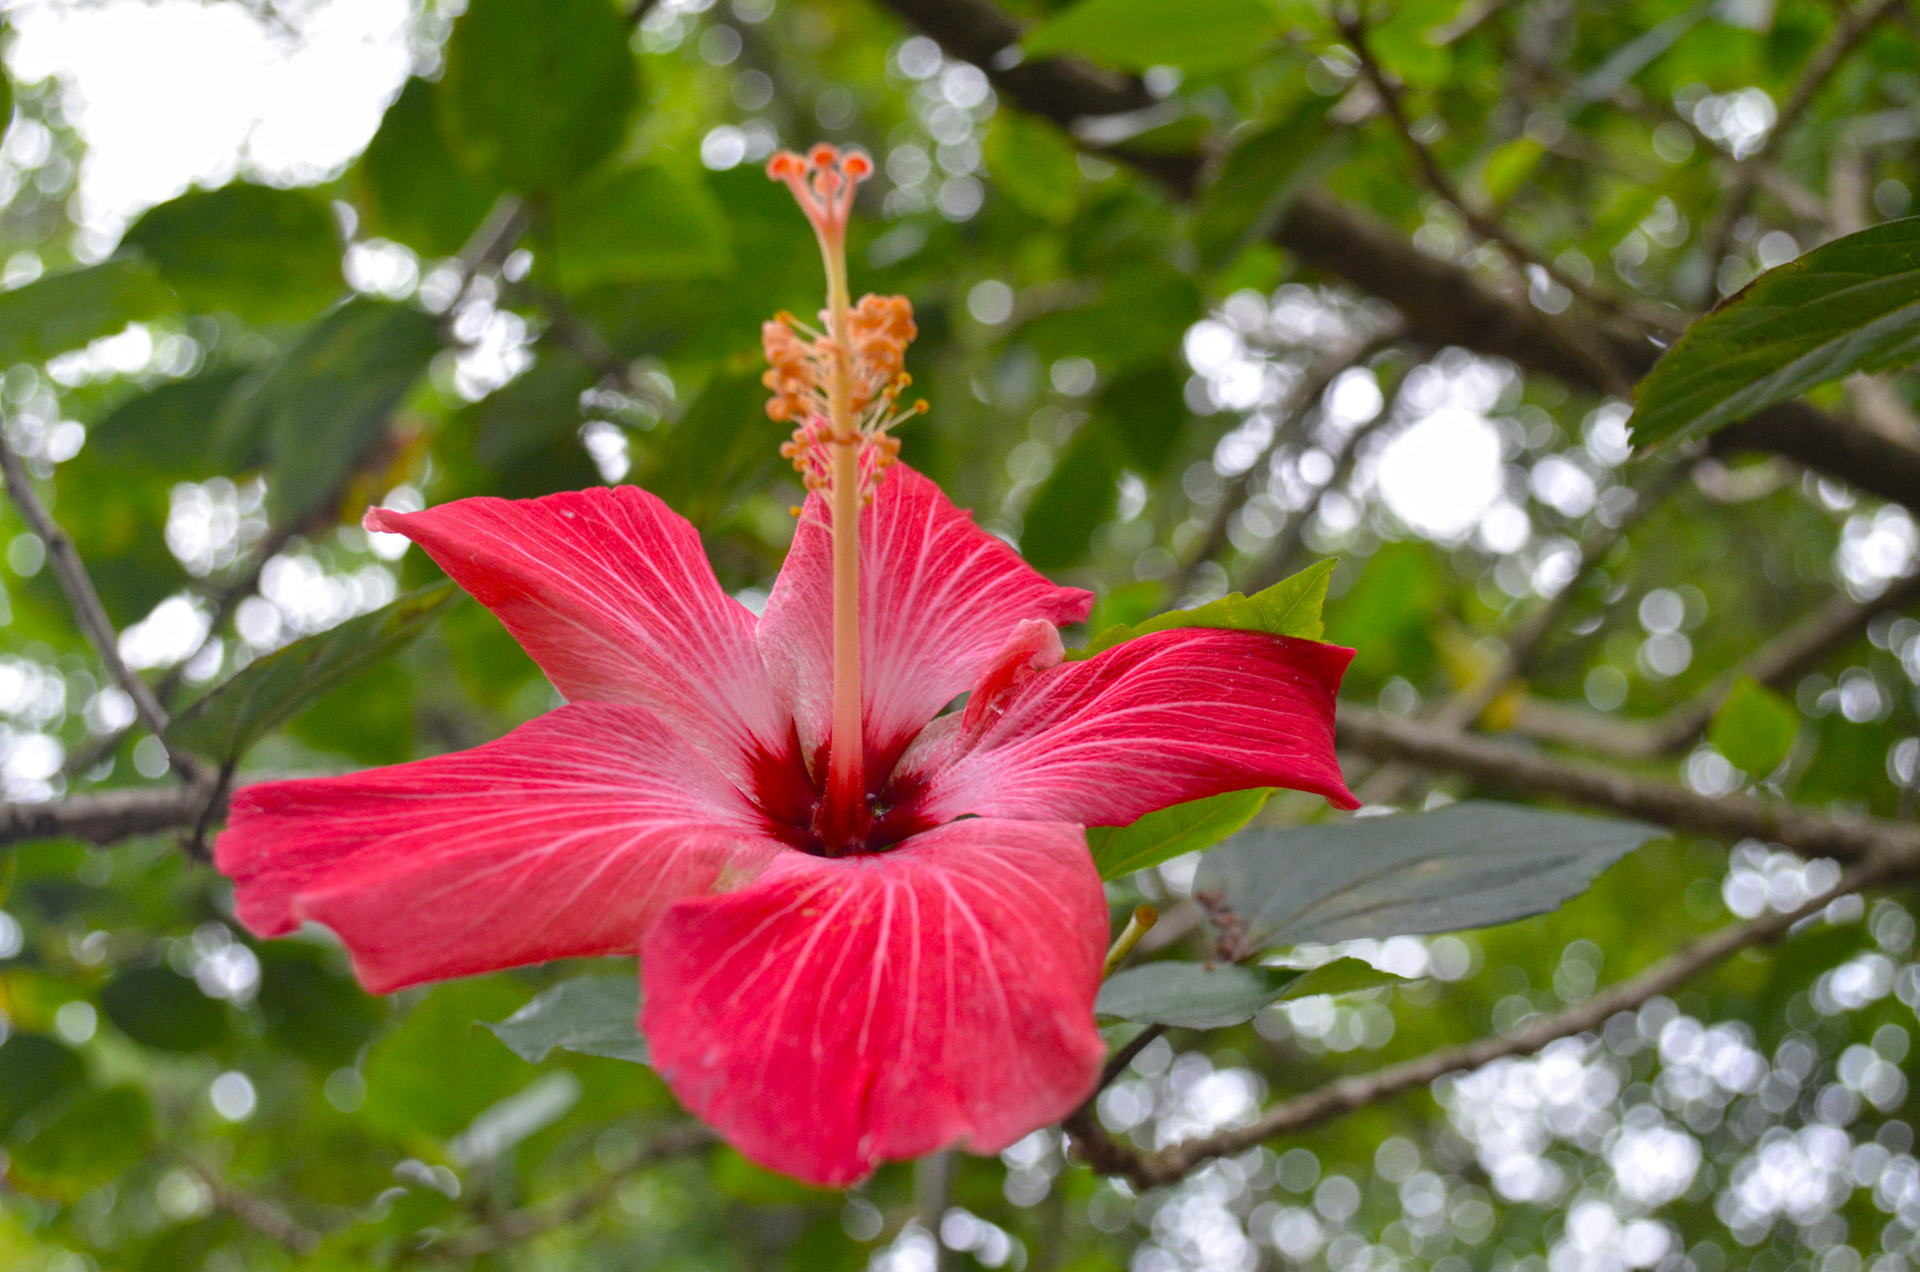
x=410, y=188
x=1261, y=178
x=709, y=458
x=171, y=429
x=433, y=1074
x=271, y=690
x=84, y=1145
x=1849, y=305
x=66, y=310
x=594, y=1015
x=266, y=254
x=537, y=92
x=312, y=1010
x=1290, y=607
x=158, y=1007
x=1213, y=996
x=33, y=1070
x=639, y=224
x=1161, y=836
x=332, y=399
x=1145, y=409
x=1075, y=499
x=1034, y=165
x=1469, y=865
x=1754, y=728
x=1197, y=36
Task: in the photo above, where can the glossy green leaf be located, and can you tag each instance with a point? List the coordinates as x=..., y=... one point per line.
x=537, y=92
x=1469, y=865
x=594, y=1015
x=34, y=1069
x=1261, y=178
x=83, y=1146
x=272, y=689
x=157, y=1007
x=410, y=189
x=331, y=400
x=68, y=309
x=1290, y=607
x=1846, y=306
x=1197, y=36
x=1213, y=996
x=1164, y=835
x=264, y=253
x=1754, y=728
x=639, y=224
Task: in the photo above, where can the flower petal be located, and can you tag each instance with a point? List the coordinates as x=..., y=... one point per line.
x=566, y=838
x=838, y=1013
x=1164, y=718
x=610, y=591
x=938, y=596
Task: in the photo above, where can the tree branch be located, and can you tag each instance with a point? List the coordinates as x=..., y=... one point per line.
x=1441, y=301
x=88, y=612
x=106, y=816
x=257, y=1213
x=1504, y=766
x=1148, y=1170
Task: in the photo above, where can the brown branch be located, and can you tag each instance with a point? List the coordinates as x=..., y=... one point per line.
x=1148, y=1170
x=1504, y=766
x=515, y=1226
x=263, y=1216
x=1441, y=301
x=105, y=817
x=1777, y=664
x=88, y=612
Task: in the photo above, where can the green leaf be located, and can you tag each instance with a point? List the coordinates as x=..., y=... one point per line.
x=1213, y=996
x=1469, y=865
x=1261, y=178
x=34, y=1070
x=1034, y=165
x=332, y=399
x=6, y=101
x=1754, y=728
x=432, y=1074
x=1849, y=305
x=537, y=92
x=1161, y=836
x=1290, y=607
x=640, y=224
x=273, y=689
x=1073, y=501
x=266, y=254
x=86, y=1144
x=157, y=1007
x=171, y=429
x=67, y=310
x=711, y=456
x=311, y=1010
x=1145, y=409
x=594, y=1015
x=410, y=189
x=1198, y=36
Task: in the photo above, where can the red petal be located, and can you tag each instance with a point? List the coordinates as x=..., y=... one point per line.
x=843, y=1012
x=1159, y=720
x=938, y=597
x=610, y=591
x=564, y=839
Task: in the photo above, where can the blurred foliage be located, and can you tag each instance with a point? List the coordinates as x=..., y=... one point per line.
x=548, y=268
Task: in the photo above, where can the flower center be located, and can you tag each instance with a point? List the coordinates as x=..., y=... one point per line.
x=839, y=385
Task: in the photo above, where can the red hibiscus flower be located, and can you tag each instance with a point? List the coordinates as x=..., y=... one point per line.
x=867, y=930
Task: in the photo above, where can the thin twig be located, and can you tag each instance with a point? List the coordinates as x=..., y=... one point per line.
x=258, y=1213
x=1606, y=363
x=105, y=817
x=1148, y=1170
x=1853, y=27
x=518, y=1225
x=89, y=612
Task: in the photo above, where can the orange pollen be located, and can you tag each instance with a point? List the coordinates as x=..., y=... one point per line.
x=801, y=362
